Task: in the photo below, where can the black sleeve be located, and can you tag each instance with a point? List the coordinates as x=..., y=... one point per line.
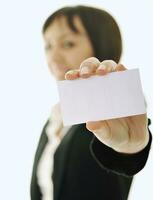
x=119, y=163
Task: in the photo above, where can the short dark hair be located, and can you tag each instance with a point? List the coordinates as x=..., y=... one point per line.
x=101, y=27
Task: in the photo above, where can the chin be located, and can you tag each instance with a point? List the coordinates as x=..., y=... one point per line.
x=59, y=78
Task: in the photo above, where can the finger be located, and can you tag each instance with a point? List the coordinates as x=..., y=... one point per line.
x=72, y=74
x=120, y=67
x=113, y=133
x=106, y=66
x=88, y=67
x=138, y=127
x=120, y=132
x=138, y=133
x=100, y=129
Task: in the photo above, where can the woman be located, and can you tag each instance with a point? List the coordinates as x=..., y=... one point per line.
x=96, y=160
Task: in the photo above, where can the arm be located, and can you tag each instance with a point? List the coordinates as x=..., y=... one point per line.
x=120, y=163
x=125, y=141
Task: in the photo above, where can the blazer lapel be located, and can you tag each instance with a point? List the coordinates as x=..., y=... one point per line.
x=60, y=160
x=35, y=192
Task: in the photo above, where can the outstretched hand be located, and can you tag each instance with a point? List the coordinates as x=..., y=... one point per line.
x=126, y=135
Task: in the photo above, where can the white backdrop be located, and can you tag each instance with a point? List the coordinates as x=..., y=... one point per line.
x=28, y=91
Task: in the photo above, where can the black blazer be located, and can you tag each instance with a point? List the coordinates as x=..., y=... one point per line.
x=86, y=169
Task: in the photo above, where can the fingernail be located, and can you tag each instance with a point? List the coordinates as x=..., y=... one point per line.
x=101, y=70
x=101, y=66
x=84, y=70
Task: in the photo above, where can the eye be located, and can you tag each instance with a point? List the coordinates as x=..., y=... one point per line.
x=48, y=47
x=68, y=44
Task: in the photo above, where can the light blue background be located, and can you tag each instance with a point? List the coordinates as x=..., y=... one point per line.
x=27, y=91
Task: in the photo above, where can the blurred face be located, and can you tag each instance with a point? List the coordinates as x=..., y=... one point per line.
x=64, y=48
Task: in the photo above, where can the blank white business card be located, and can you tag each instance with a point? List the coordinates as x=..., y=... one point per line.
x=115, y=95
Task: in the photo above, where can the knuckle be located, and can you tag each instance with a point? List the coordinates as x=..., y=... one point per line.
x=109, y=65
x=91, y=62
